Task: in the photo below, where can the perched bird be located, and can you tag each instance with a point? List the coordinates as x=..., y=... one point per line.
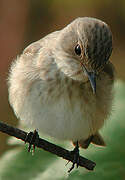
x=62, y=84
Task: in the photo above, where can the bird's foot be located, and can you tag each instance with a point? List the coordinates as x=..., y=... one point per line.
x=75, y=152
x=32, y=138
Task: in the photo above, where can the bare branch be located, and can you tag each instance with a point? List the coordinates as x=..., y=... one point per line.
x=47, y=146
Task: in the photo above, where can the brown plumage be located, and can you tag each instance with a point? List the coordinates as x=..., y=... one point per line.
x=62, y=84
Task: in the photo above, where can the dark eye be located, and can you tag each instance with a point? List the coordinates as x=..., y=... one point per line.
x=78, y=50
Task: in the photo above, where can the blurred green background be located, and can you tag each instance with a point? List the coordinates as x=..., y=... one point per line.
x=25, y=21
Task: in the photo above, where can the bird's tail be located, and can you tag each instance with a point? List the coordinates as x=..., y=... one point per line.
x=95, y=139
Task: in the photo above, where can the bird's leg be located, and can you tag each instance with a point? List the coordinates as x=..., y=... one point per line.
x=75, y=152
x=31, y=138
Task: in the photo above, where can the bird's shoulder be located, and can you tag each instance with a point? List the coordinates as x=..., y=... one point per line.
x=34, y=47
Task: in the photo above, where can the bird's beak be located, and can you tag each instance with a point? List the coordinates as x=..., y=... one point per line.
x=92, y=78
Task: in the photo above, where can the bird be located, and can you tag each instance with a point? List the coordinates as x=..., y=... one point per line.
x=62, y=84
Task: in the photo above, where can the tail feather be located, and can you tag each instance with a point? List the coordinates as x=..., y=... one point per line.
x=98, y=140
x=95, y=139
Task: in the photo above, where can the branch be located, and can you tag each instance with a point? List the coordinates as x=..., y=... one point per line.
x=47, y=146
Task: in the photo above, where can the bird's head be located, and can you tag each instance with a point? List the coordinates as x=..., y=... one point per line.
x=83, y=48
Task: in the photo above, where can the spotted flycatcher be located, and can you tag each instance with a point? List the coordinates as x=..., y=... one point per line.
x=62, y=84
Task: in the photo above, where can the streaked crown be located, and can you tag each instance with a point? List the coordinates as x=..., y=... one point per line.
x=96, y=38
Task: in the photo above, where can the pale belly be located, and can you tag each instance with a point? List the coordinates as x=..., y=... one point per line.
x=62, y=118
x=58, y=120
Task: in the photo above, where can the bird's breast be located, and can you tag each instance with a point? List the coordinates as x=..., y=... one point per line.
x=66, y=111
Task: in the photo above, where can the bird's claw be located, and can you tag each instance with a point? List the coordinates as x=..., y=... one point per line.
x=75, y=152
x=32, y=138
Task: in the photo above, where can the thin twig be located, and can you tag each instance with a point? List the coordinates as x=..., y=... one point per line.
x=47, y=146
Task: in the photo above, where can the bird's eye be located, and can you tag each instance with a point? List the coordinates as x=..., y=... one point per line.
x=78, y=50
